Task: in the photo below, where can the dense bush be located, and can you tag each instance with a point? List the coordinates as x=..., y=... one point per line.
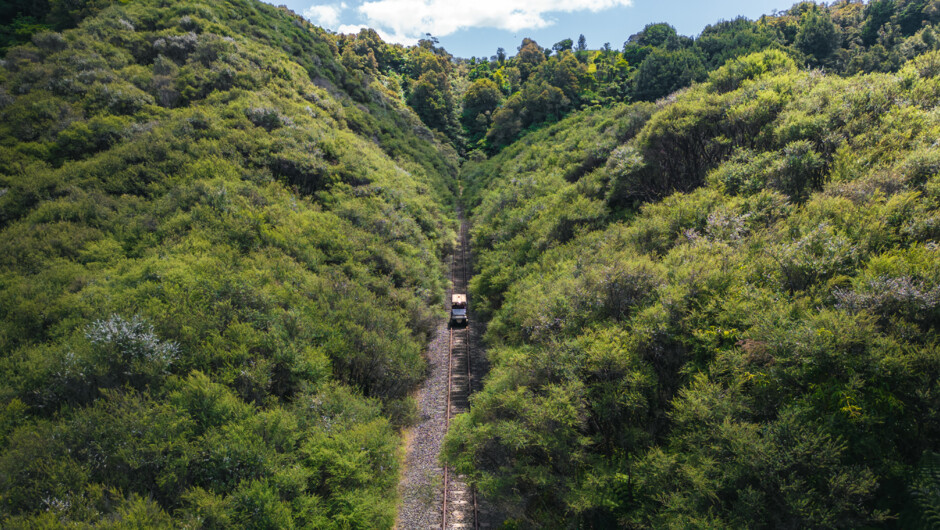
x=217, y=276
x=220, y=241
x=756, y=350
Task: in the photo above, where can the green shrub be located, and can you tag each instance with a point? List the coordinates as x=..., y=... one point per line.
x=738, y=70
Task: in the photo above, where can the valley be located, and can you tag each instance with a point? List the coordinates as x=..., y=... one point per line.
x=701, y=273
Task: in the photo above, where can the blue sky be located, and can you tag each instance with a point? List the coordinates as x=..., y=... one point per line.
x=478, y=27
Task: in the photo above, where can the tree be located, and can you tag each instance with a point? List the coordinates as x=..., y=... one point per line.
x=733, y=38
x=563, y=45
x=433, y=101
x=481, y=100
x=817, y=36
x=542, y=102
x=530, y=56
x=65, y=13
x=582, y=43
x=910, y=16
x=878, y=13
x=634, y=54
x=506, y=125
x=20, y=19
x=431, y=95
x=656, y=35
x=565, y=73
x=664, y=72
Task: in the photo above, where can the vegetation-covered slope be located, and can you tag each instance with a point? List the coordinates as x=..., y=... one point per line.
x=220, y=232
x=717, y=311
x=219, y=246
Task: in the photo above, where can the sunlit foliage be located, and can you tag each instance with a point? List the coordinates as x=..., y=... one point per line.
x=542, y=85
x=719, y=311
x=221, y=240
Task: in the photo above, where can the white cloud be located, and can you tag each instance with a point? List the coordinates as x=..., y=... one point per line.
x=351, y=28
x=410, y=19
x=326, y=14
x=386, y=36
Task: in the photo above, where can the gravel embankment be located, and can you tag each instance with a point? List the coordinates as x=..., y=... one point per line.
x=422, y=480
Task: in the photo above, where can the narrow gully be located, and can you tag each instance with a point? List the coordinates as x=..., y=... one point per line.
x=459, y=508
x=433, y=497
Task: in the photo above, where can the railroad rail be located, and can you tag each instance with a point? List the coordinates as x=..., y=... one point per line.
x=459, y=509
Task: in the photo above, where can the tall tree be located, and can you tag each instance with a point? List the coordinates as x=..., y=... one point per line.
x=732, y=38
x=530, y=56
x=878, y=13
x=657, y=35
x=431, y=95
x=582, y=43
x=479, y=103
x=817, y=36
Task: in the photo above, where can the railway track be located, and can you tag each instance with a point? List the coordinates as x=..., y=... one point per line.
x=459, y=509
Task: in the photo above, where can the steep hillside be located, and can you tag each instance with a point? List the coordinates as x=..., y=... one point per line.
x=219, y=247
x=720, y=310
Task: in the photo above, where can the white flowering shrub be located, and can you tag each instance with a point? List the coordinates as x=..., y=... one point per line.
x=886, y=295
x=131, y=343
x=267, y=117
